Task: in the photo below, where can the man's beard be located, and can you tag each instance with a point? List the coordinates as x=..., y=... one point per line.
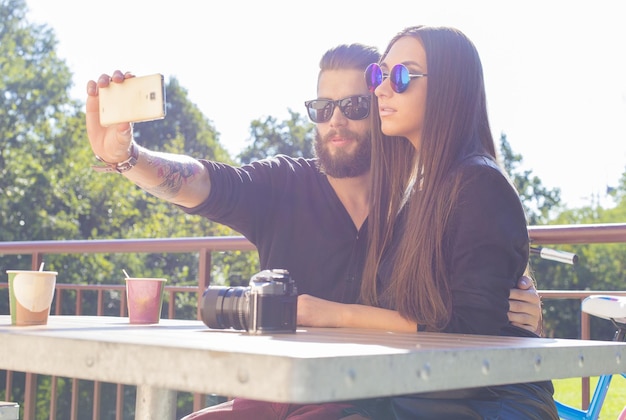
x=342, y=164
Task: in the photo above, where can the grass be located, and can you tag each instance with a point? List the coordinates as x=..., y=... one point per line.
x=568, y=391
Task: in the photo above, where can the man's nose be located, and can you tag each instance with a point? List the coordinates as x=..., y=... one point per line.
x=338, y=119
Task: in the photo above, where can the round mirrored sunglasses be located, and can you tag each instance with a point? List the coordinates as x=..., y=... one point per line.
x=399, y=77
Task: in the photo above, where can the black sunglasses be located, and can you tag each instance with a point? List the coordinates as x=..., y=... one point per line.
x=353, y=107
x=399, y=77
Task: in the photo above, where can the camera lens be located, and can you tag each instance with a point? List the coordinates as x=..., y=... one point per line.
x=225, y=307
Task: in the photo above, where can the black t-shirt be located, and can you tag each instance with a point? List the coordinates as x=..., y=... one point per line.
x=290, y=212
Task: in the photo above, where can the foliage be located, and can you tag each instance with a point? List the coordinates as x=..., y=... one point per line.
x=184, y=130
x=539, y=202
x=600, y=267
x=34, y=105
x=49, y=191
x=619, y=195
x=293, y=137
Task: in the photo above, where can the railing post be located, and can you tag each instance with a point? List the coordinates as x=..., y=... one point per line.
x=59, y=302
x=35, y=261
x=97, y=394
x=204, y=275
x=8, y=385
x=119, y=404
x=53, y=397
x=585, y=334
x=30, y=396
x=74, y=400
x=79, y=302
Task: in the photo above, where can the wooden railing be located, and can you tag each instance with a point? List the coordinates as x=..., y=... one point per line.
x=205, y=246
x=578, y=234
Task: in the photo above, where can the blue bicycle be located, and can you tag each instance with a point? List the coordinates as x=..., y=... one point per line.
x=612, y=308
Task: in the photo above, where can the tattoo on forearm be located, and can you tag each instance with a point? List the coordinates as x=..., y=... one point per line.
x=174, y=175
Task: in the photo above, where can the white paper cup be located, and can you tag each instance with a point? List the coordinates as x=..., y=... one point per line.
x=30, y=296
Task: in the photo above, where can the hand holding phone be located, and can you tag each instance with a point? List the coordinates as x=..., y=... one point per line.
x=136, y=99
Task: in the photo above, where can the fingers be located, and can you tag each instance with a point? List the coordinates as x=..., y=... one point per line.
x=523, y=318
x=536, y=328
x=92, y=104
x=531, y=328
x=526, y=313
x=532, y=310
x=125, y=130
x=104, y=80
x=117, y=77
x=530, y=297
x=110, y=143
x=525, y=283
x=92, y=88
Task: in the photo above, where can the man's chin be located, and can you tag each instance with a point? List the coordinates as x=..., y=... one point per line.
x=341, y=168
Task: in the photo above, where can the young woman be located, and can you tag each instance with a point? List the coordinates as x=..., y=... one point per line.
x=448, y=235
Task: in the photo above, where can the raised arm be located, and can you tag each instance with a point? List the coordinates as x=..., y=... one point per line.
x=178, y=179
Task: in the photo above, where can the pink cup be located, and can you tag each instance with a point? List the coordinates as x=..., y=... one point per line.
x=145, y=298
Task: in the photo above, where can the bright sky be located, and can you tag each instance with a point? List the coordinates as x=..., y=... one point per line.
x=555, y=70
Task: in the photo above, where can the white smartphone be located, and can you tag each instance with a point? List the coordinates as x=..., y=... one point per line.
x=136, y=99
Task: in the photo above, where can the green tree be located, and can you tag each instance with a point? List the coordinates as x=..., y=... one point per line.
x=619, y=195
x=539, y=201
x=34, y=105
x=49, y=191
x=600, y=267
x=292, y=137
x=183, y=130
x=44, y=155
x=42, y=148
x=561, y=317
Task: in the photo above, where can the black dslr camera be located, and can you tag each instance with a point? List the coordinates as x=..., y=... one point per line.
x=267, y=306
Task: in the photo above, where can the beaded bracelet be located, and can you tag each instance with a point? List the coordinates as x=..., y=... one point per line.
x=119, y=167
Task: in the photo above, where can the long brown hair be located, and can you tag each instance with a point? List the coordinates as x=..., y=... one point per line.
x=423, y=185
